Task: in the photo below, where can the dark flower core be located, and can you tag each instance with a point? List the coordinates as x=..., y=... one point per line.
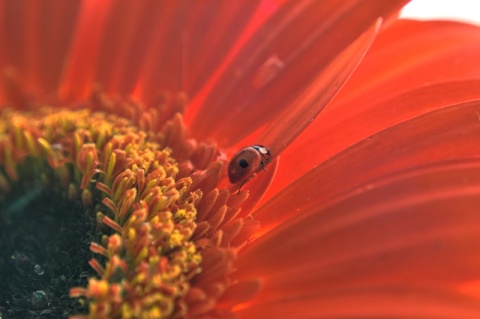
x=44, y=242
x=104, y=217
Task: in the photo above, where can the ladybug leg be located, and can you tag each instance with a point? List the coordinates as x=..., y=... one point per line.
x=240, y=187
x=262, y=164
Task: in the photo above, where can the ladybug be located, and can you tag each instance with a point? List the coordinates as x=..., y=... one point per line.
x=247, y=162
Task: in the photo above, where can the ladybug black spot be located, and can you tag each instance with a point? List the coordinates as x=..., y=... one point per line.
x=243, y=163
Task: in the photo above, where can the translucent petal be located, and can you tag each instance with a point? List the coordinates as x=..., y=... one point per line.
x=277, y=64
x=368, y=302
x=35, y=38
x=441, y=135
x=416, y=229
x=384, y=88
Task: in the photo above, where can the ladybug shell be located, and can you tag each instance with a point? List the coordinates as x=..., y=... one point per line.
x=247, y=162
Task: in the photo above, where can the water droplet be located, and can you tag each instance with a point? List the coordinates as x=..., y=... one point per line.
x=39, y=299
x=20, y=257
x=38, y=270
x=21, y=262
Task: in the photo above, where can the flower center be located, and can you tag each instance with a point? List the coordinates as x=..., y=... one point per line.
x=162, y=238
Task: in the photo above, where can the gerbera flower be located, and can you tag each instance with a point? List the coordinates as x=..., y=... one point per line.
x=119, y=119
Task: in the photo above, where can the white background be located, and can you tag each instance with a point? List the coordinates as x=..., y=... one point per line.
x=459, y=10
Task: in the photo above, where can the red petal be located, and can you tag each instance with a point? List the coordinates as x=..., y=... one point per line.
x=295, y=48
x=416, y=229
x=36, y=36
x=441, y=135
x=379, y=97
x=383, y=302
x=411, y=54
x=82, y=60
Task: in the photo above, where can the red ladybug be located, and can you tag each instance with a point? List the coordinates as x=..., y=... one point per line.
x=247, y=162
